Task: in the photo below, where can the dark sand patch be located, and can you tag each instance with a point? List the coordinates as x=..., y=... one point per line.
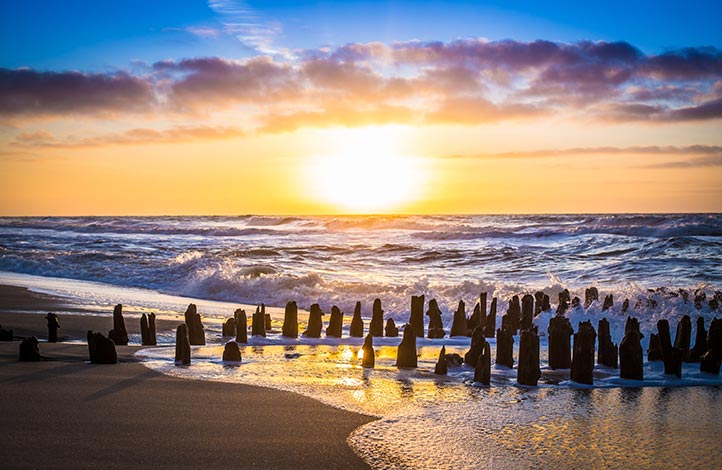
x=66, y=413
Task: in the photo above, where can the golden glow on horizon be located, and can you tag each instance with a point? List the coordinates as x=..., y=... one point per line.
x=366, y=172
x=383, y=169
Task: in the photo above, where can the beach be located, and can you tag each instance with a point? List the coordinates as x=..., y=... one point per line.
x=307, y=403
x=66, y=413
x=609, y=268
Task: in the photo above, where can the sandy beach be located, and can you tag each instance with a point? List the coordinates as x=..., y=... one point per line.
x=66, y=413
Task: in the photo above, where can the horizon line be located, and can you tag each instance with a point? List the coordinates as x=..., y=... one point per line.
x=380, y=214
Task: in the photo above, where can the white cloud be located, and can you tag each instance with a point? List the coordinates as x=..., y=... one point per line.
x=247, y=25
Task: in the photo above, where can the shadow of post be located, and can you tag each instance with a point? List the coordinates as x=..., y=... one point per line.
x=122, y=385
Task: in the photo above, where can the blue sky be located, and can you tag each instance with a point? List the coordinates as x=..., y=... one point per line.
x=102, y=35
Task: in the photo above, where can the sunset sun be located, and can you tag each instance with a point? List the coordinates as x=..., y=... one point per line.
x=366, y=171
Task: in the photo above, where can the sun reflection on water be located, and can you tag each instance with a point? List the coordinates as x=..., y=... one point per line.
x=333, y=374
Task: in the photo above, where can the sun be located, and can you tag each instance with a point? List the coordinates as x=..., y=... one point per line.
x=366, y=172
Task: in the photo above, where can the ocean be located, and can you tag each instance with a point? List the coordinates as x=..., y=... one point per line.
x=341, y=260
x=425, y=421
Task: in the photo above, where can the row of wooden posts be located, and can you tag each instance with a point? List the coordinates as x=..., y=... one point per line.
x=579, y=358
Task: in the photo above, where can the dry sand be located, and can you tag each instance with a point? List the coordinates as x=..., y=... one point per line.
x=66, y=413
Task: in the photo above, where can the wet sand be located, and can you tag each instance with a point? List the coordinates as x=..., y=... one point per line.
x=65, y=413
x=73, y=326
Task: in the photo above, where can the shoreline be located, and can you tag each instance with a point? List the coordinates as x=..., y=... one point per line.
x=423, y=421
x=64, y=412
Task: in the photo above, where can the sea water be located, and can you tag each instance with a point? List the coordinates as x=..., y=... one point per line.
x=341, y=260
x=425, y=421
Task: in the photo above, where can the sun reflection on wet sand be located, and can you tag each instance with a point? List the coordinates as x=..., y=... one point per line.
x=502, y=426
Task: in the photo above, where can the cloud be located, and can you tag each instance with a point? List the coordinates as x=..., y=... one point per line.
x=135, y=136
x=30, y=92
x=686, y=64
x=709, y=161
x=664, y=93
x=348, y=77
x=217, y=83
x=689, y=150
x=199, y=31
x=699, y=156
x=247, y=25
x=708, y=110
x=479, y=110
x=467, y=81
x=337, y=115
x=17, y=154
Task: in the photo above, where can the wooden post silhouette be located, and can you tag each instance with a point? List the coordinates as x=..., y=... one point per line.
x=683, y=337
x=442, y=365
x=357, y=324
x=700, y=342
x=513, y=314
x=290, y=320
x=608, y=351
x=182, y=346
x=482, y=370
x=436, y=326
x=369, y=355
x=229, y=327
x=118, y=334
x=654, y=352
x=560, y=352
x=490, y=325
x=527, y=312
x=101, y=350
x=631, y=359
x=608, y=302
x=672, y=356
x=711, y=360
x=258, y=321
x=591, y=294
x=459, y=325
x=406, y=355
x=528, y=372
x=335, y=323
x=241, y=326
x=196, y=333
x=416, y=319
x=391, y=330
x=505, y=347
x=477, y=345
x=376, y=328
x=152, y=337
x=583, y=357
x=231, y=352
x=53, y=325
x=315, y=322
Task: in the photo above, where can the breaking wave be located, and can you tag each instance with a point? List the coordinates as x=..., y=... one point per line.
x=341, y=260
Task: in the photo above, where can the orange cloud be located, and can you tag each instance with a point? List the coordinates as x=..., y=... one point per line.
x=466, y=81
x=134, y=136
x=702, y=155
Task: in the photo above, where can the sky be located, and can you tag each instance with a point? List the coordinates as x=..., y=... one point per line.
x=229, y=107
